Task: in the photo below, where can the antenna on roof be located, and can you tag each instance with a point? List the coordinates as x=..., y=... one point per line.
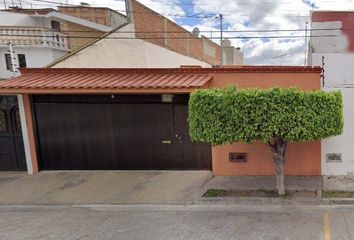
x=196, y=31
x=281, y=56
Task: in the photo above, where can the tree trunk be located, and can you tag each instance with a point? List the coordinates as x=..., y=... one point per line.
x=278, y=147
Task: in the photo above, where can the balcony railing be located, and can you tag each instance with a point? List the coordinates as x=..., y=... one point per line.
x=26, y=36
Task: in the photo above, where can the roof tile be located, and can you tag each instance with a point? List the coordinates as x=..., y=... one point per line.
x=104, y=80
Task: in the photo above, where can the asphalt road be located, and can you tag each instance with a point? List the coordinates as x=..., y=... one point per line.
x=151, y=222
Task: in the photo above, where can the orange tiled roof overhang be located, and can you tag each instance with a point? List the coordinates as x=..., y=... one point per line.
x=104, y=80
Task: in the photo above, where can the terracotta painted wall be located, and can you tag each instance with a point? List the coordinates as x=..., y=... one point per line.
x=302, y=159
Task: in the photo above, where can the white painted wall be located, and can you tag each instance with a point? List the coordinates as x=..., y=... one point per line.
x=339, y=75
x=341, y=144
x=35, y=57
x=338, y=68
x=127, y=53
x=332, y=41
x=24, y=20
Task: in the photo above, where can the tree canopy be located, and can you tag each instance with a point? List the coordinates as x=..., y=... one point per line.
x=228, y=115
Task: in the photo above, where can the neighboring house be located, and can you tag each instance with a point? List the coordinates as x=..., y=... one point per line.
x=150, y=41
x=134, y=119
x=332, y=47
x=40, y=36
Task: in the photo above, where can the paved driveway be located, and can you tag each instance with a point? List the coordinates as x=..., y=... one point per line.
x=102, y=187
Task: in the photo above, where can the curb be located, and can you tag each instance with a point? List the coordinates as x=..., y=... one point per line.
x=277, y=201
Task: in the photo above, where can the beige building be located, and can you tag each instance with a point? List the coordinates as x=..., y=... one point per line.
x=149, y=40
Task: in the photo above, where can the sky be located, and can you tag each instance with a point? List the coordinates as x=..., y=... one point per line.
x=262, y=16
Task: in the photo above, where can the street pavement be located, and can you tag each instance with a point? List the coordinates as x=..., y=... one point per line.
x=154, y=222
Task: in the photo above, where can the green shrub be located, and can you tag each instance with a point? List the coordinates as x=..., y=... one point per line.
x=275, y=116
x=220, y=116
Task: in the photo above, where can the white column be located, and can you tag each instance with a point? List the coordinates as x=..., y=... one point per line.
x=25, y=134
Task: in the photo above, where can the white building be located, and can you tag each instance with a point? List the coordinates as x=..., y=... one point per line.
x=36, y=39
x=331, y=46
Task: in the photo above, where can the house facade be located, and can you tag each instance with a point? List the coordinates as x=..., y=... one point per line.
x=40, y=36
x=147, y=39
x=134, y=119
x=331, y=46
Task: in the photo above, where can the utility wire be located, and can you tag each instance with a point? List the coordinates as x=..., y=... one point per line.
x=206, y=4
x=53, y=2
x=182, y=14
x=111, y=37
x=201, y=31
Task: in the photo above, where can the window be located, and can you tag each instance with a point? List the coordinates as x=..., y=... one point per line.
x=3, y=122
x=22, y=60
x=55, y=25
x=8, y=62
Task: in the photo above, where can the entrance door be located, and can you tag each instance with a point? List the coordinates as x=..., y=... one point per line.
x=12, y=155
x=192, y=154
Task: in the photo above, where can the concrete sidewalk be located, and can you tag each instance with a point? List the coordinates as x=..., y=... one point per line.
x=102, y=187
x=263, y=182
x=143, y=187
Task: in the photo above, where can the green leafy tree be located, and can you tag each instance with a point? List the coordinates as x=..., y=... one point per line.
x=274, y=116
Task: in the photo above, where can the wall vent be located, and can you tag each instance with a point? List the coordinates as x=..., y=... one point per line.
x=334, y=157
x=237, y=157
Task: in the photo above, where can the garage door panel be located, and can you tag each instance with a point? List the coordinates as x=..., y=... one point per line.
x=104, y=136
x=117, y=136
x=140, y=132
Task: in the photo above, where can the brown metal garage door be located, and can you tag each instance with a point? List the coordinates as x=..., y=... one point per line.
x=116, y=132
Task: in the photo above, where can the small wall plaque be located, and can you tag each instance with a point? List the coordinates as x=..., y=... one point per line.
x=237, y=157
x=334, y=157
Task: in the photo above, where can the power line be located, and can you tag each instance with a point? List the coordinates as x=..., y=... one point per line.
x=179, y=15
x=206, y=31
x=111, y=37
x=203, y=31
x=205, y=4
x=120, y=10
x=183, y=15
x=208, y=15
x=53, y=2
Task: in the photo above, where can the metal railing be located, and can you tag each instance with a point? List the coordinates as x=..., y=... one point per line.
x=29, y=36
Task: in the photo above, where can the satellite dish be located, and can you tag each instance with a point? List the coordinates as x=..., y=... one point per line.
x=196, y=31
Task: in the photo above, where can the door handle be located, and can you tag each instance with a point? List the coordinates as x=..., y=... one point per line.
x=179, y=137
x=166, y=141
